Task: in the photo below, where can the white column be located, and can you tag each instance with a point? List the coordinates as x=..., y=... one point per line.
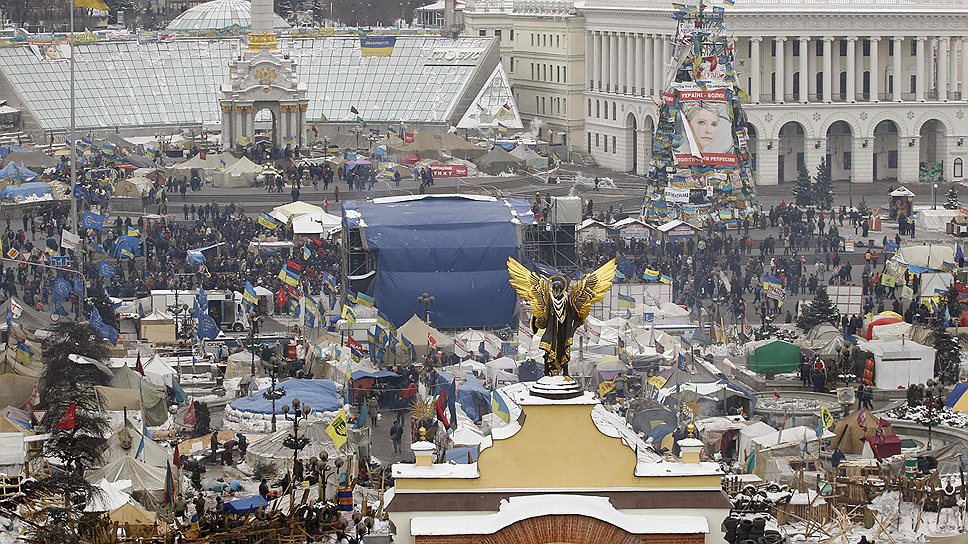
x=788, y=67
x=851, y=69
x=597, y=61
x=639, y=65
x=779, y=78
x=812, y=71
x=952, y=68
x=658, y=70
x=943, y=69
x=613, y=62
x=919, y=69
x=589, y=60
x=875, y=70
x=859, y=69
x=623, y=53
x=837, y=64
x=804, y=70
x=964, y=68
x=828, y=69
x=930, y=58
x=648, y=72
x=606, y=60
x=666, y=56
x=900, y=78
x=755, y=69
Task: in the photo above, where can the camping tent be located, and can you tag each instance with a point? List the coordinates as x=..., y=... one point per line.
x=316, y=223
x=777, y=356
x=899, y=363
x=291, y=211
x=127, y=441
x=240, y=364
x=320, y=395
x=241, y=173
x=147, y=482
x=496, y=161
x=133, y=187
x=417, y=330
x=153, y=397
x=500, y=372
x=272, y=448
x=158, y=326
x=921, y=258
x=530, y=158
x=37, y=161
x=850, y=432
x=17, y=173
x=746, y=436
x=458, y=147
x=135, y=521
x=246, y=505
x=474, y=399
x=212, y=161
x=470, y=342
x=25, y=190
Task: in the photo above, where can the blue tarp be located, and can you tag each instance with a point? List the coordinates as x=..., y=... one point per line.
x=35, y=188
x=17, y=172
x=454, y=248
x=459, y=455
x=320, y=395
x=359, y=374
x=244, y=506
x=474, y=399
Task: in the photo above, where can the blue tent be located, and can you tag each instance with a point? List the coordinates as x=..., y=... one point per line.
x=459, y=455
x=320, y=395
x=360, y=374
x=35, y=188
x=452, y=247
x=17, y=172
x=474, y=399
x=244, y=506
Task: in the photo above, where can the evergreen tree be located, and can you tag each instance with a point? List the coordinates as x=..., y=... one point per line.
x=947, y=361
x=67, y=384
x=820, y=310
x=803, y=192
x=863, y=209
x=951, y=201
x=823, y=186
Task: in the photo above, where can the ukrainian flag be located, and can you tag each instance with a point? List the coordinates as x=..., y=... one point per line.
x=109, y=148
x=365, y=299
x=626, y=301
x=377, y=46
x=348, y=314
x=268, y=221
x=382, y=321
x=499, y=407
x=306, y=253
x=249, y=294
x=289, y=276
x=665, y=279
x=650, y=275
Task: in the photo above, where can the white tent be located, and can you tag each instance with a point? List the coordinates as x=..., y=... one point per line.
x=289, y=212
x=143, y=476
x=468, y=342
x=111, y=496
x=899, y=363
x=892, y=331
x=121, y=446
x=746, y=436
x=316, y=223
x=12, y=452
x=934, y=220
x=158, y=372
x=133, y=187
x=241, y=173
x=272, y=449
x=931, y=256
x=530, y=158
x=417, y=331
x=788, y=437
x=501, y=372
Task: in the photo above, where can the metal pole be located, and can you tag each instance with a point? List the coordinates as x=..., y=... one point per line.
x=73, y=139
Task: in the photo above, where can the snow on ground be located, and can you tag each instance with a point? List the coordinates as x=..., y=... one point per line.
x=944, y=416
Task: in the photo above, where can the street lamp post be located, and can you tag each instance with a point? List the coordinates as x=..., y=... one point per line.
x=934, y=196
x=274, y=394
x=293, y=441
x=932, y=391
x=426, y=300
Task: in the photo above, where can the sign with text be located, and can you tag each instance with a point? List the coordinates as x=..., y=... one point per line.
x=449, y=170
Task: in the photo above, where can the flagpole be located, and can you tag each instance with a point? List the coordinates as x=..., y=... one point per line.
x=73, y=140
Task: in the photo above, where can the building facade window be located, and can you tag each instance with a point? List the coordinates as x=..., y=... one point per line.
x=892, y=159
x=482, y=32
x=959, y=168
x=512, y=35
x=589, y=134
x=497, y=33
x=614, y=145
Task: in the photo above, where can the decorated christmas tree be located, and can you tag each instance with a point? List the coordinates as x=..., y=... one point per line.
x=701, y=162
x=803, y=191
x=820, y=310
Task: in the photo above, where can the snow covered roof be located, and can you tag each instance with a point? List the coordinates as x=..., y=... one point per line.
x=516, y=509
x=219, y=14
x=666, y=227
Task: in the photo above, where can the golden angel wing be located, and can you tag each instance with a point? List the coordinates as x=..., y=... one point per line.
x=532, y=288
x=591, y=288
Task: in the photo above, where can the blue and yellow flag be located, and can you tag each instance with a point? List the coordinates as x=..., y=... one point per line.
x=665, y=279
x=348, y=314
x=249, y=294
x=499, y=407
x=377, y=46
x=289, y=276
x=650, y=275
x=365, y=299
x=268, y=221
x=626, y=301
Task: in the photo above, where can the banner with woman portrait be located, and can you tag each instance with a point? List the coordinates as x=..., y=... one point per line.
x=704, y=127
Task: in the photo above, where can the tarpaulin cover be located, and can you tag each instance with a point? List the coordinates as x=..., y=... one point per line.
x=246, y=505
x=34, y=188
x=473, y=398
x=454, y=248
x=955, y=401
x=360, y=374
x=320, y=395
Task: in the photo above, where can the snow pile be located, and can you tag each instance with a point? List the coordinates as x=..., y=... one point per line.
x=919, y=414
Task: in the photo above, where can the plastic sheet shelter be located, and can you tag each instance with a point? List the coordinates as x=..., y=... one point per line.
x=850, y=432
x=320, y=395
x=246, y=505
x=24, y=190
x=153, y=398
x=454, y=247
x=147, y=482
x=272, y=449
x=899, y=363
x=779, y=357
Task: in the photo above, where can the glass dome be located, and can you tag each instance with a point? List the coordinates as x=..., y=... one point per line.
x=219, y=14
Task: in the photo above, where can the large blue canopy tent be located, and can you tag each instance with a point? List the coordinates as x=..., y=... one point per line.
x=24, y=190
x=17, y=172
x=320, y=395
x=454, y=247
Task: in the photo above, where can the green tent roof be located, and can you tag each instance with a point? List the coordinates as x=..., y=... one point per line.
x=777, y=356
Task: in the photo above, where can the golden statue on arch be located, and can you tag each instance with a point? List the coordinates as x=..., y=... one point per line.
x=557, y=310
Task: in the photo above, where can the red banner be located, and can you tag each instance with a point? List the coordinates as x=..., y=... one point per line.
x=449, y=170
x=408, y=137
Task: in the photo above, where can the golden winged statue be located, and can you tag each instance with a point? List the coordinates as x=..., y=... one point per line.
x=558, y=311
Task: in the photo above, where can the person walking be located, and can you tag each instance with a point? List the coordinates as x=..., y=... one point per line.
x=374, y=410
x=396, y=435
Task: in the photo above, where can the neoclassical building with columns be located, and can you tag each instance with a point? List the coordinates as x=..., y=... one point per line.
x=878, y=86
